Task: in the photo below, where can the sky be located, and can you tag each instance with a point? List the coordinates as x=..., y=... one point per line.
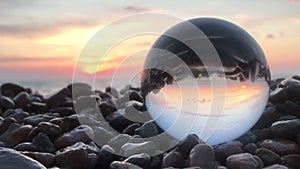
x=43, y=39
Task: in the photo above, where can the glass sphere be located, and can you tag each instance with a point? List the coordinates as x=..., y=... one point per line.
x=208, y=77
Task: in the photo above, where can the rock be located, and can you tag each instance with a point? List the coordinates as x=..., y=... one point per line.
x=247, y=138
x=242, y=161
x=81, y=133
x=6, y=103
x=267, y=156
x=101, y=135
x=63, y=111
x=133, y=95
x=26, y=146
x=202, y=155
x=50, y=129
x=43, y=143
x=11, y=90
x=287, y=117
x=123, y=165
x=143, y=160
x=119, y=140
x=35, y=120
x=79, y=89
x=106, y=156
x=107, y=106
x=269, y=116
x=250, y=148
x=296, y=77
x=76, y=157
x=46, y=159
x=113, y=91
x=37, y=107
x=292, y=108
x=8, y=113
x=136, y=115
x=148, y=129
x=20, y=134
x=6, y=136
x=286, y=129
x=6, y=123
x=276, y=166
x=173, y=159
x=20, y=116
x=279, y=95
x=185, y=146
x=292, y=161
x=224, y=150
x=130, y=149
x=262, y=134
x=22, y=100
x=9, y=156
x=86, y=102
x=130, y=130
x=57, y=99
x=279, y=146
x=69, y=123
x=118, y=121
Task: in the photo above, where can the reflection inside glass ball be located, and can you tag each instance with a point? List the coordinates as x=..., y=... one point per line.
x=181, y=90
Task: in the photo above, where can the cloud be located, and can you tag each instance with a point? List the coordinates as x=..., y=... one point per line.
x=270, y=36
x=135, y=9
x=242, y=16
x=26, y=59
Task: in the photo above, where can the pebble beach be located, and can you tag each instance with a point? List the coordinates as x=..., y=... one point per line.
x=38, y=132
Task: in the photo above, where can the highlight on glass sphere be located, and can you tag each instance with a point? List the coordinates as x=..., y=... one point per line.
x=208, y=77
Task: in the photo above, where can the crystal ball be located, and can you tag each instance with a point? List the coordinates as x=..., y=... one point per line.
x=208, y=77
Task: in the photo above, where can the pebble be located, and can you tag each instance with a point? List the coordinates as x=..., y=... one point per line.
x=123, y=165
x=82, y=133
x=242, y=161
x=57, y=99
x=143, y=160
x=269, y=116
x=250, y=148
x=63, y=111
x=262, y=134
x=22, y=100
x=224, y=150
x=173, y=159
x=26, y=146
x=20, y=116
x=6, y=136
x=76, y=157
x=279, y=95
x=118, y=121
x=119, y=140
x=9, y=156
x=279, y=146
x=43, y=143
x=202, y=155
x=292, y=161
x=11, y=90
x=6, y=123
x=276, y=166
x=130, y=149
x=185, y=146
x=148, y=129
x=101, y=135
x=247, y=138
x=46, y=159
x=106, y=156
x=130, y=130
x=78, y=89
x=6, y=103
x=107, y=106
x=20, y=134
x=50, y=129
x=268, y=157
x=38, y=107
x=286, y=129
x=35, y=120
x=292, y=108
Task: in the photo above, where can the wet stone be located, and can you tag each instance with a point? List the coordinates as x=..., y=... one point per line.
x=11, y=90
x=50, y=129
x=286, y=129
x=130, y=130
x=7, y=156
x=173, y=159
x=22, y=100
x=46, y=159
x=279, y=146
x=202, y=155
x=35, y=120
x=242, y=161
x=129, y=149
x=79, y=134
x=143, y=160
x=20, y=134
x=26, y=146
x=250, y=148
x=106, y=156
x=38, y=107
x=276, y=166
x=247, y=138
x=267, y=156
x=185, y=146
x=292, y=161
x=123, y=165
x=224, y=150
x=43, y=143
x=6, y=103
